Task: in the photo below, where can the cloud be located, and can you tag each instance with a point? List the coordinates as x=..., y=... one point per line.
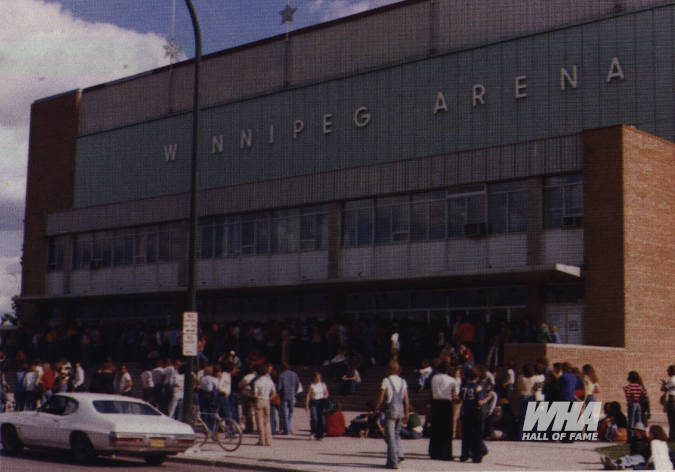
x=44, y=51
x=332, y=9
x=10, y=279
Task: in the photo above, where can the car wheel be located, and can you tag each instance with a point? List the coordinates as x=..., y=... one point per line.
x=10, y=440
x=83, y=451
x=156, y=459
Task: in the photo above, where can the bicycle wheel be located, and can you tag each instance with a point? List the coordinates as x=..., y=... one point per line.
x=228, y=435
x=201, y=432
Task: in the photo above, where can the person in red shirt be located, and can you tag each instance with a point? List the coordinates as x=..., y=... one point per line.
x=48, y=379
x=335, y=422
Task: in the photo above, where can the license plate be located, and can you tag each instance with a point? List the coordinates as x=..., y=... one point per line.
x=157, y=442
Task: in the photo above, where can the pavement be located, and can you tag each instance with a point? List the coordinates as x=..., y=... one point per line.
x=298, y=452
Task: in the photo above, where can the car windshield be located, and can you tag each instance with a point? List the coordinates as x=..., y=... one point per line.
x=124, y=407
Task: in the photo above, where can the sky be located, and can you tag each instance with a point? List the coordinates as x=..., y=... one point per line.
x=52, y=46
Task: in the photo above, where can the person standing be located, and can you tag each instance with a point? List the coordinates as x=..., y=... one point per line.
x=263, y=389
x=147, y=385
x=393, y=394
x=20, y=389
x=591, y=384
x=288, y=387
x=444, y=390
x=30, y=387
x=178, y=387
x=668, y=389
x=636, y=398
x=208, y=387
x=125, y=383
x=315, y=403
x=473, y=399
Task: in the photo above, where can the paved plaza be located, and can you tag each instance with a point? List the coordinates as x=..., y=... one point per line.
x=298, y=452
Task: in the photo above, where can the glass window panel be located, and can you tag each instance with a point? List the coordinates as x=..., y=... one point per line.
x=129, y=249
x=497, y=213
x=233, y=235
x=165, y=246
x=206, y=242
x=456, y=217
x=400, y=222
x=262, y=236
x=219, y=241
x=437, y=220
x=383, y=225
x=248, y=237
x=517, y=211
x=365, y=227
x=150, y=248
x=574, y=200
x=349, y=229
x=322, y=231
x=475, y=209
x=419, y=227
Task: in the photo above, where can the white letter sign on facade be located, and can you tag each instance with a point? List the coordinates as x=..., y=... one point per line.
x=170, y=151
x=615, y=71
x=190, y=333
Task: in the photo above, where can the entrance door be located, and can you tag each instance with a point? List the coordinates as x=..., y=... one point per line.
x=568, y=320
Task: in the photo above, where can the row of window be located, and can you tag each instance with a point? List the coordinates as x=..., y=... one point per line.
x=271, y=232
x=470, y=211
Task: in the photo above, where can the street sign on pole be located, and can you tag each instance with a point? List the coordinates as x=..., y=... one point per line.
x=190, y=333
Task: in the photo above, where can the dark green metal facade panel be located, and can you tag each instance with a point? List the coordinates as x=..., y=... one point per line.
x=416, y=109
x=664, y=98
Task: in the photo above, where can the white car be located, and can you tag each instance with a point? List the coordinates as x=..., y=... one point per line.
x=92, y=423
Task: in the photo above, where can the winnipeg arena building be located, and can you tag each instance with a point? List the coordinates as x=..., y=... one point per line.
x=497, y=159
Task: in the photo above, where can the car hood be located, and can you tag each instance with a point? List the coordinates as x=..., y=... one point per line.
x=148, y=424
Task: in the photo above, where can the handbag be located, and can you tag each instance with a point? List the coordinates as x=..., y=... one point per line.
x=275, y=399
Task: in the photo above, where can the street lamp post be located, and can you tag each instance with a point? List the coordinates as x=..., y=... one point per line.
x=191, y=302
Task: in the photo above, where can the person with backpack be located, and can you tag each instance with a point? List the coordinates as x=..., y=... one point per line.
x=394, y=397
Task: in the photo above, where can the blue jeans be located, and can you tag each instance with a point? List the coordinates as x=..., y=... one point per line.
x=393, y=440
x=286, y=415
x=316, y=419
x=275, y=414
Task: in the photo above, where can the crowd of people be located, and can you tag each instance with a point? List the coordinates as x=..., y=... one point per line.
x=244, y=373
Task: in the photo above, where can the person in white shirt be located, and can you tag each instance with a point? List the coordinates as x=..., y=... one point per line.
x=147, y=385
x=444, y=391
x=315, y=403
x=208, y=387
x=658, y=444
x=224, y=392
x=668, y=389
x=178, y=387
x=78, y=379
x=393, y=394
x=125, y=383
x=263, y=389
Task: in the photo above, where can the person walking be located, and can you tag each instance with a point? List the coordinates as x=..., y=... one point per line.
x=393, y=394
x=288, y=386
x=444, y=390
x=263, y=389
x=315, y=403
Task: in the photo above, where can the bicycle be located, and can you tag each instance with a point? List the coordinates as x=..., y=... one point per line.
x=225, y=432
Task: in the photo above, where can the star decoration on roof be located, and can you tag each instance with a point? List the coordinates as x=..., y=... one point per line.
x=171, y=51
x=287, y=14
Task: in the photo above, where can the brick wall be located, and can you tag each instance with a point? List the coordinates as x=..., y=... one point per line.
x=649, y=248
x=51, y=166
